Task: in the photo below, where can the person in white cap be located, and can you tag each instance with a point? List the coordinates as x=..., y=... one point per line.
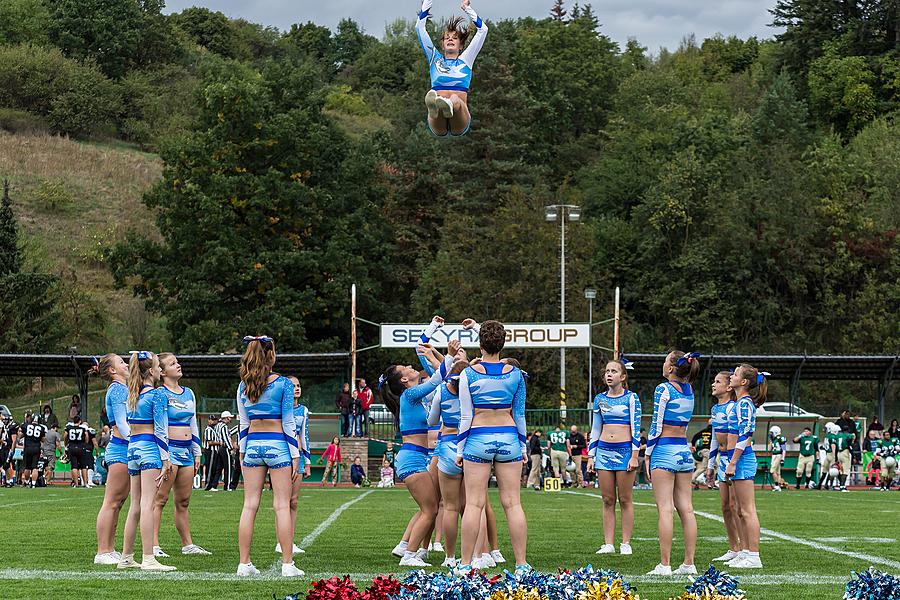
x=228, y=447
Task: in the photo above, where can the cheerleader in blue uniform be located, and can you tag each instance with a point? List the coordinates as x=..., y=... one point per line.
x=613, y=452
x=184, y=454
x=301, y=423
x=148, y=456
x=671, y=464
x=750, y=387
x=724, y=438
x=114, y=370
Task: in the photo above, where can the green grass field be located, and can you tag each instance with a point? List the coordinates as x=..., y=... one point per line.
x=811, y=542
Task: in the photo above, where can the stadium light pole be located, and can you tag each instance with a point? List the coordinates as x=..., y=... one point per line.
x=553, y=212
x=590, y=294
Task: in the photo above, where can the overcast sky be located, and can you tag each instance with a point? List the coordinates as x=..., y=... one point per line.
x=655, y=23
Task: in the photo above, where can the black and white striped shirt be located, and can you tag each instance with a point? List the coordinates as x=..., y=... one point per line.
x=209, y=435
x=223, y=436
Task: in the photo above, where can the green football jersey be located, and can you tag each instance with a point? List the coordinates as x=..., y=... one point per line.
x=808, y=445
x=843, y=440
x=558, y=440
x=778, y=444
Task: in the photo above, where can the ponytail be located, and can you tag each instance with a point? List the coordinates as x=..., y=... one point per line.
x=139, y=366
x=256, y=366
x=391, y=388
x=757, y=383
x=461, y=365
x=687, y=366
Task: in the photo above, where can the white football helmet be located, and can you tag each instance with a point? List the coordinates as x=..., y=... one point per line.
x=775, y=431
x=833, y=472
x=890, y=462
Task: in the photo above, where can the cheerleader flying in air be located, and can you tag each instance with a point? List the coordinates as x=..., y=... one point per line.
x=451, y=72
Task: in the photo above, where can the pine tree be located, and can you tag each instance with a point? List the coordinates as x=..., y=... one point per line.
x=558, y=12
x=10, y=253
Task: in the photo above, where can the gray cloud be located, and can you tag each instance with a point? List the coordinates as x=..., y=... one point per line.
x=655, y=23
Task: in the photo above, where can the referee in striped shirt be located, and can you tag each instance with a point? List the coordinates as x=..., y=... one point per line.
x=218, y=440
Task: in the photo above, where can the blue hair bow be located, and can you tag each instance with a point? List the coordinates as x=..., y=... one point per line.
x=761, y=376
x=454, y=377
x=525, y=374
x=629, y=365
x=263, y=339
x=690, y=356
x=381, y=381
x=141, y=354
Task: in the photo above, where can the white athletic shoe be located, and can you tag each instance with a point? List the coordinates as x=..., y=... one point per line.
x=246, y=570
x=215, y=489
x=399, y=549
x=625, y=549
x=740, y=556
x=607, y=549
x=445, y=106
x=488, y=561
x=685, y=570
x=498, y=557
x=194, y=549
x=151, y=564
x=296, y=550
x=461, y=570
x=748, y=562
x=107, y=558
x=159, y=553
x=478, y=563
x=291, y=570
x=431, y=104
x=776, y=488
x=731, y=554
x=422, y=554
x=128, y=562
x=411, y=559
x=664, y=570
x=437, y=547
x=450, y=562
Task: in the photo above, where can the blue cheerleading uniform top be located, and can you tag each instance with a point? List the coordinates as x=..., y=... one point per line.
x=494, y=390
x=444, y=408
x=671, y=406
x=301, y=425
x=151, y=409
x=117, y=409
x=276, y=402
x=724, y=420
x=745, y=417
x=453, y=74
x=413, y=405
x=618, y=410
x=182, y=410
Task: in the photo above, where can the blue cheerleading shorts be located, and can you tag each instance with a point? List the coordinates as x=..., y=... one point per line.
x=722, y=461
x=180, y=453
x=143, y=453
x=672, y=454
x=746, y=466
x=411, y=459
x=116, y=451
x=493, y=444
x=446, y=455
x=612, y=456
x=267, y=449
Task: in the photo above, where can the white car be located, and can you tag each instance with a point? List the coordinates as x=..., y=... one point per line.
x=783, y=409
x=379, y=413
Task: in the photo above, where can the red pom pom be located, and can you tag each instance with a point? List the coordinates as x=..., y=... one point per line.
x=333, y=589
x=382, y=588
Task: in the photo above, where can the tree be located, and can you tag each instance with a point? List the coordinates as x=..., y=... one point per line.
x=23, y=21
x=558, y=12
x=10, y=253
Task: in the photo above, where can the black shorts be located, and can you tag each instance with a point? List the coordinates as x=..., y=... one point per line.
x=4, y=457
x=77, y=459
x=30, y=458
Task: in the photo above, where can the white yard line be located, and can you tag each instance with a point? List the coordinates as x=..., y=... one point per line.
x=320, y=529
x=272, y=575
x=872, y=559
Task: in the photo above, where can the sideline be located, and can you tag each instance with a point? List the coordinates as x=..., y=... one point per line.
x=320, y=529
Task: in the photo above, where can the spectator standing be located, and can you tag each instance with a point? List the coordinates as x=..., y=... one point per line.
x=577, y=445
x=332, y=458
x=223, y=432
x=875, y=425
x=9, y=435
x=894, y=429
x=51, y=442
x=558, y=446
x=48, y=418
x=342, y=403
x=846, y=422
x=357, y=473
x=75, y=407
x=365, y=397
x=537, y=457
x=389, y=453
x=356, y=412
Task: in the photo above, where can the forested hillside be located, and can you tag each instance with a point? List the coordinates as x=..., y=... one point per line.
x=745, y=194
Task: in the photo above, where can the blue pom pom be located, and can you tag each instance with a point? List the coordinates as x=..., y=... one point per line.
x=872, y=585
x=714, y=582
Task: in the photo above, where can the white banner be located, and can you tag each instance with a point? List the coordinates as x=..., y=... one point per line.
x=518, y=335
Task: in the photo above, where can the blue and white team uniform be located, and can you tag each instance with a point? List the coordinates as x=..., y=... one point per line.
x=724, y=420
x=493, y=390
x=450, y=74
x=182, y=410
x=745, y=417
x=148, y=450
x=413, y=458
x=117, y=413
x=445, y=409
x=673, y=404
x=618, y=410
x=301, y=425
x=271, y=449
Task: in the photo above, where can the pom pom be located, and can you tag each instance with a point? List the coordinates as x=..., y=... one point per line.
x=713, y=585
x=333, y=589
x=382, y=588
x=872, y=585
